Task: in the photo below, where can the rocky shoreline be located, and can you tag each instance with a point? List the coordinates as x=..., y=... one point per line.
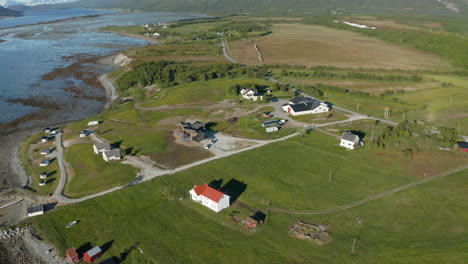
x=23, y=245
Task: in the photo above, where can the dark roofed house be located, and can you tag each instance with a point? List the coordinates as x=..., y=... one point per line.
x=35, y=210
x=463, y=146
x=195, y=131
x=349, y=140
x=301, y=100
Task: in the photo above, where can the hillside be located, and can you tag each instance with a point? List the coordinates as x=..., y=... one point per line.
x=287, y=6
x=5, y=12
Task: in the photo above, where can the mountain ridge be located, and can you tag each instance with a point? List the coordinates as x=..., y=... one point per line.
x=444, y=7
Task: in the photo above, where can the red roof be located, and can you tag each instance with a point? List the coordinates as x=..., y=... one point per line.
x=208, y=192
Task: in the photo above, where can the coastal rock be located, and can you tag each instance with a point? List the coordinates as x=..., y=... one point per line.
x=122, y=60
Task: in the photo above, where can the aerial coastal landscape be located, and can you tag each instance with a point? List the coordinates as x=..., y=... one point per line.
x=157, y=131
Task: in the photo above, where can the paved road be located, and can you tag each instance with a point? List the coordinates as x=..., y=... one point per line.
x=372, y=198
x=63, y=172
x=148, y=170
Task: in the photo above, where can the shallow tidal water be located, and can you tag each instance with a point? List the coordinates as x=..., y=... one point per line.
x=29, y=52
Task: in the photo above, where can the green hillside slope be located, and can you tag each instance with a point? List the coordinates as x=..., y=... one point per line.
x=285, y=6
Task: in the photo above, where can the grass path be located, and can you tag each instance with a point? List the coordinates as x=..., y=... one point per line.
x=372, y=198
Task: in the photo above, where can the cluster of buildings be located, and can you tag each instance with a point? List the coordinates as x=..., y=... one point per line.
x=107, y=151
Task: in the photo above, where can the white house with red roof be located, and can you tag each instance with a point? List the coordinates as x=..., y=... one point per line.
x=209, y=197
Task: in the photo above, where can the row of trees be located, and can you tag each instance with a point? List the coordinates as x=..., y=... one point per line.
x=412, y=136
x=166, y=74
x=352, y=75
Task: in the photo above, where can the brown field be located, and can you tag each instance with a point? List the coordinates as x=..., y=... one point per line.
x=373, y=87
x=296, y=44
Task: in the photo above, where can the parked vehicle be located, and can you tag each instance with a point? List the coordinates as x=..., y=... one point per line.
x=271, y=129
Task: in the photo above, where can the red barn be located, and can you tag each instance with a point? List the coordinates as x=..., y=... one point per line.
x=93, y=254
x=72, y=255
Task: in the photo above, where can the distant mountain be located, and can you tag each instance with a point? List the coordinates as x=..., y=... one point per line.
x=448, y=7
x=7, y=3
x=5, y=12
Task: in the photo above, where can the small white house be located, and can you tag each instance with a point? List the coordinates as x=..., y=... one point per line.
x=111, y=155
x=93, y=123
x=83, y=133
x=350, y=141
x=156, y=34
x=35, y=210
x=250, y=94
x=209, y=197
x=44, y=139
x=101, y=147
x=305, y=106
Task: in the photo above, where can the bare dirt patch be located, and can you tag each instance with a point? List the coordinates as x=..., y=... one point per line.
x=177, y=155
x=307, y=45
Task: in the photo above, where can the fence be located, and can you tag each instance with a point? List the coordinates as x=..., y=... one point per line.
x=216, y=218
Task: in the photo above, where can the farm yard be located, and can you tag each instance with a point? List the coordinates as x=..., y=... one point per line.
x=307, y=45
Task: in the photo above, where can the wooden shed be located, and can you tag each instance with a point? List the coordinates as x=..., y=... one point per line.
x=93, y=254
x=72, y=255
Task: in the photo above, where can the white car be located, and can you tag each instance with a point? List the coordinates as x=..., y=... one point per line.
x=207, y=146
x=42, y=183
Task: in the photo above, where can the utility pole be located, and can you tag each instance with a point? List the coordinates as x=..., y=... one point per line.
x=353, y=250
x=357, y=106
x=372, y=137
x=330, y=176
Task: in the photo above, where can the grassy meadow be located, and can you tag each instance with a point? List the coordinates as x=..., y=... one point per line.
x=293, y=175
x=89, y=173
x=307, y=45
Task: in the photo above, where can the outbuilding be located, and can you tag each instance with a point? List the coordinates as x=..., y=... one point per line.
x=93, y=123
x=72, y=255
x=463, y=146
x=93, y=254
x=44, y=163
x=209, y=197
x=35, y=210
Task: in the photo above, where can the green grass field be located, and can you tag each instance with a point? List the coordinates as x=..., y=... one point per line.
x=91, y=174
x=292, y=175
x=200, y=93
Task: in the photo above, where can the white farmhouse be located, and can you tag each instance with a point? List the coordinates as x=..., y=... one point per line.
x=350, y=141
x=209, y=197
x=305, y=106
x=111, y=155
x=249, y=94
x=101, y=147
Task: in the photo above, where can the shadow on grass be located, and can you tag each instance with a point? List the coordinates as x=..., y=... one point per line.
x=234, y=189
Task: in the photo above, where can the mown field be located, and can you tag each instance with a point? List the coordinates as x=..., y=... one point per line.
x=297, y=44
x=89, y=173
x=292, y=175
